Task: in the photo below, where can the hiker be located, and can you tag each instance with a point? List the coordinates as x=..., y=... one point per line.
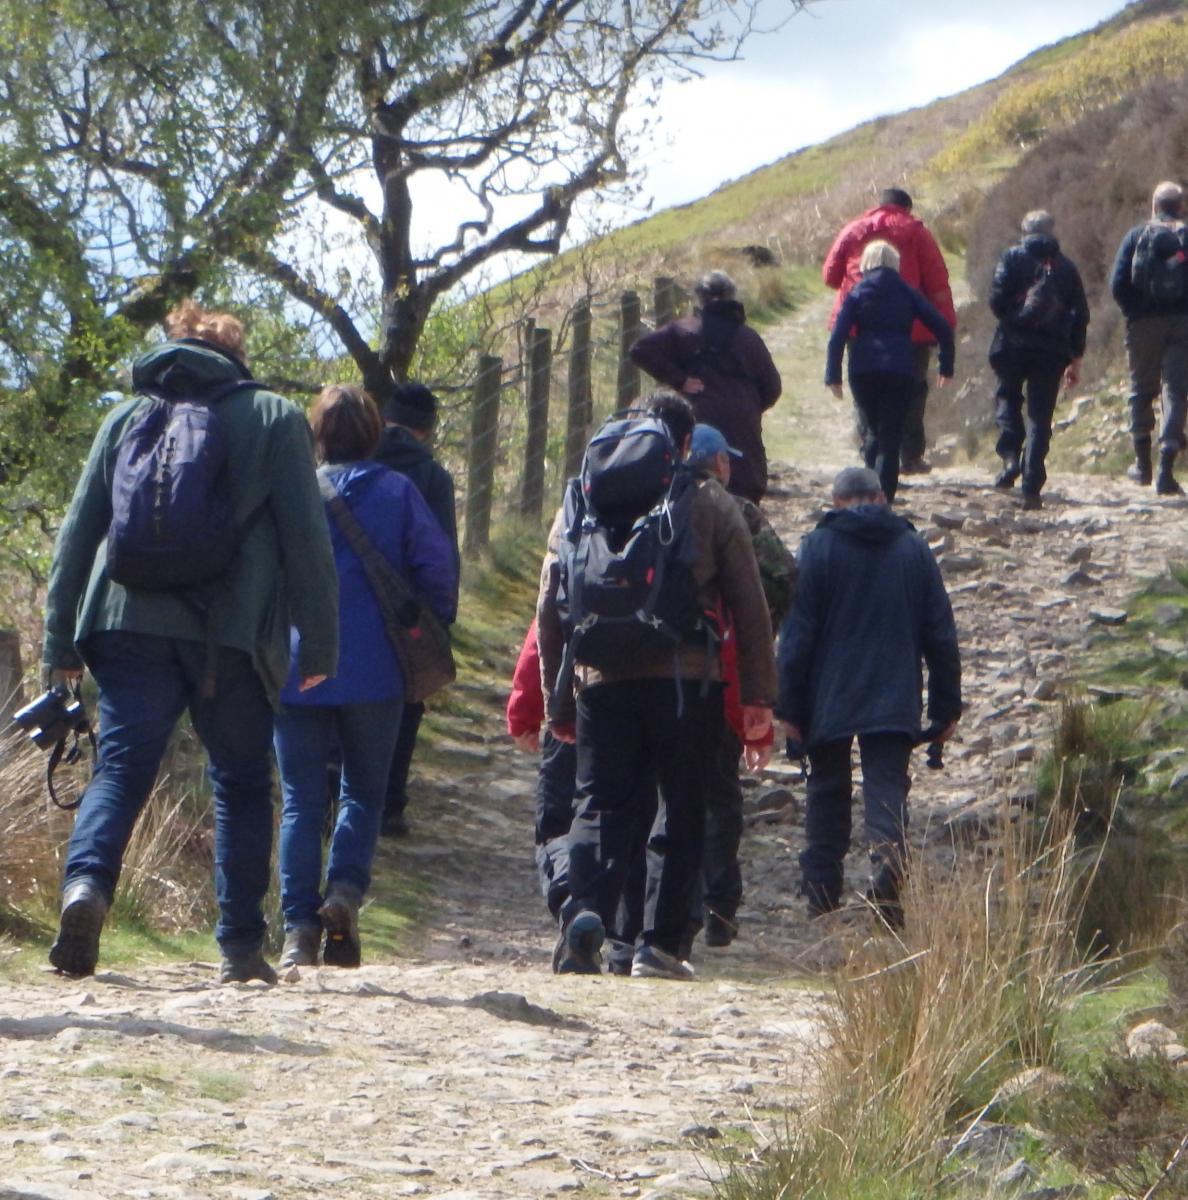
x=651, y=701
x=1150, y=284
x=869, y=603
x=1043, y=315
x=875, y=321
x=359, y=709
x=410, y=417
x=923, y=266
x=219, y=646
x=724, y=369
x=711, y=455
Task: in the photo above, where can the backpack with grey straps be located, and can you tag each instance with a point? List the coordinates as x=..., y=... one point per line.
x=1159, y=268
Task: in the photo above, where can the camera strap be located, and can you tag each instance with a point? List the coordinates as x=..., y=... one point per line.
x=60, y=754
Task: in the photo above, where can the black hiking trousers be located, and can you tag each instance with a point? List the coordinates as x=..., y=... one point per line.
x=1025, y=432
x=627, y=731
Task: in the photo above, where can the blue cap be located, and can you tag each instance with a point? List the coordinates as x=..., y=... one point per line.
x=707, y=442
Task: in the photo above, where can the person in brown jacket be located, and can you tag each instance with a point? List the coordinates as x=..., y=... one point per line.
x=664, y=715
x=724, y=368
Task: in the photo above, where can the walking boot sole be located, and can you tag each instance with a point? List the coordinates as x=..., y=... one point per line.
x=340, y=921
x=76, y=949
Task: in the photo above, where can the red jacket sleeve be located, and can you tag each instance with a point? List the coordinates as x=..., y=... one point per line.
x=525, y=705
x=934, y=276
x=833, y=273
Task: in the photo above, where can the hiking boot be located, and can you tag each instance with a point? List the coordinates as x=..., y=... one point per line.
x=395, y=825
x=76, y=948
x=915, y=466
x=340, y=920
x=618, y=957
x=719, y=930
x=1140, y=471
x=1011, y=469
x=1166, y=484
x=888, y=910
x=1031, y=501
x=241, y=966
x=650, y=962
x=301, y=947
x=577, y=949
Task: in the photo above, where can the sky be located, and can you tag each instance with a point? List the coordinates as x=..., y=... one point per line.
x=831, y=67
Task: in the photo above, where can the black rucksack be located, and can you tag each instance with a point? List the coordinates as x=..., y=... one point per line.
x=1158, y=268
x=172, y=524
x=626, y=592
x=1042, y=307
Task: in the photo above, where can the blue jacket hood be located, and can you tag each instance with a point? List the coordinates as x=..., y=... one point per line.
x=867, y=523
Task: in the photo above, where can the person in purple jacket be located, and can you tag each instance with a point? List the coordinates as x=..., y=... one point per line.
x=875, y=321
x=359, y=708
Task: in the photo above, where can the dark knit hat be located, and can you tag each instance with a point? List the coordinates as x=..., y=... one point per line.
x=894, y=195
x=412, y=404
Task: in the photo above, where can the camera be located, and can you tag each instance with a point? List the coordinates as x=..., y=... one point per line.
x=53, y=717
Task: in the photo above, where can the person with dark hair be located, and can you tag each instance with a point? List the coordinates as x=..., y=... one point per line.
x=921, y=265
x=1043, y=316
x=875, y=323
x=870, y=604
x=716, y=360
x=410, y=417
x=218, y=647
x=359, y=709
x=660, y=713
x=1149, y=282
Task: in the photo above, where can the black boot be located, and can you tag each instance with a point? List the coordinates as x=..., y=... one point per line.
x=1166, y=484
x=76, y=948
x=1009, y=473
x=1141, y=471
x=340, y=919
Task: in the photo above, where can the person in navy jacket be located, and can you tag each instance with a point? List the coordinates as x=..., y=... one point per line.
x=359, y=708
x=876, y=321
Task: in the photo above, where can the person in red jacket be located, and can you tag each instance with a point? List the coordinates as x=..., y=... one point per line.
x=922, y=265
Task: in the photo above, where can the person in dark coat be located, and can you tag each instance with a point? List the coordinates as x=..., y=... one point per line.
x=876, y=321
x=1156, y=337
x=724, y=368
x=410, y=416
x=359, y=708
x=1043, y=315
x=870, y=603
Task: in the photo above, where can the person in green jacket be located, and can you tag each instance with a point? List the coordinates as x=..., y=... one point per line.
x=221, y=652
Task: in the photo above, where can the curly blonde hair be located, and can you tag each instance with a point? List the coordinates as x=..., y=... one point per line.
x=190, y=320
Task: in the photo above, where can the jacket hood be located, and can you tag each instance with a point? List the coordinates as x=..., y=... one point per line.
x=188, y=367
x=354, y=479
x=725, y=310
x=1041, y=245
x=886, y=219
x=401, y=451
x=874, y=523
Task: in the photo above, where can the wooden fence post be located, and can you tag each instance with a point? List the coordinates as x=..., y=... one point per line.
x=630, y=326
x=12, y=692
x=484, y=438
x=540, y=374
x=581, y=405
x=664, y=299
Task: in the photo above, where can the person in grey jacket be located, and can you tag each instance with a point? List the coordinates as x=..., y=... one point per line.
x=870, y=603
x=222, y=655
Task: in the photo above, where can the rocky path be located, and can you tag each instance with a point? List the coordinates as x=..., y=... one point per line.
x=467, y=1070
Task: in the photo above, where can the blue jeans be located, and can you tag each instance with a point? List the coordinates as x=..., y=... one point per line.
x=305, y=736
x=145, y=684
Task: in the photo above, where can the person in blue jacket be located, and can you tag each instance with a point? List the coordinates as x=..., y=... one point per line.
x=359, y=708
x=870, y=604
x=876, y=321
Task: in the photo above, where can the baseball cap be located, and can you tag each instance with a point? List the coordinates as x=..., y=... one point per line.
x=707, y=442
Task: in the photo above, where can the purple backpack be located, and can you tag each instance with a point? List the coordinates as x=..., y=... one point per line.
x=172, y=524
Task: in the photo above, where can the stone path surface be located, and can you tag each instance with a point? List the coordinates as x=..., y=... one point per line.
x=466, y=1070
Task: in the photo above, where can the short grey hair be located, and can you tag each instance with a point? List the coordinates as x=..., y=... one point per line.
x=1039, y=220
x=715, y=285
x=878, y=254
x=857, y=483
x=1167, y=200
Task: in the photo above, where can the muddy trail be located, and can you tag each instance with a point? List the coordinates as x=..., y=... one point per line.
x=465, y=1069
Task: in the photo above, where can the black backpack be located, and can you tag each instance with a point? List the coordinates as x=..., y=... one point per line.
x=1158, y=269
x=172, y=524
x=1042, y=307
x=626, y=591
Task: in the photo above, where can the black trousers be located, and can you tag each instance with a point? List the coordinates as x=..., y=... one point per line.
x=1026, y=436
x=883, y=400
x=406, y=743
x=828, y=820
x=627, y=731
x=723, y=832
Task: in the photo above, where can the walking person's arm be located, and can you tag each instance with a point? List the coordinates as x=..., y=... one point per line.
x=938, y=643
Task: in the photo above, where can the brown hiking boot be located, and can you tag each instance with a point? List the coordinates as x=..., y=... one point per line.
x=340, y=920
x=301, y=947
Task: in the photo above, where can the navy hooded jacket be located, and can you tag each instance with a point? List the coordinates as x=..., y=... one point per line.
x=407, y=455
x=1014, y=275
x=870, y=604
x=877, y=318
